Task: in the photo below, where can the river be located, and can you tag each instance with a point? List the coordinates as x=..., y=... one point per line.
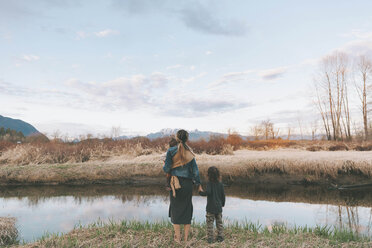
x=57, y=209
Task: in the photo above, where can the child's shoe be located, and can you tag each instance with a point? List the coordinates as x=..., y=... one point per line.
x=220, y=239
x=210, y=240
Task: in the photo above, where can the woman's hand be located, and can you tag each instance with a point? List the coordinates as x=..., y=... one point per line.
x=200, y=188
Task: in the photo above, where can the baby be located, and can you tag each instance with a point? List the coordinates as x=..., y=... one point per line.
x=173, y=142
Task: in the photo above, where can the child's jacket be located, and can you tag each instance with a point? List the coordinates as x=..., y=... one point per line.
x=215, y=197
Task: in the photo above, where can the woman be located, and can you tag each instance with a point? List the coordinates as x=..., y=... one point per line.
x=180, y=163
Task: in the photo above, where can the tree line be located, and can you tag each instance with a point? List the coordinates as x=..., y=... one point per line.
x=339, y=74
x=11, y=135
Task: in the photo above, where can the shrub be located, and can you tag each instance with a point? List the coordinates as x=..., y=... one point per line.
x=338, y=147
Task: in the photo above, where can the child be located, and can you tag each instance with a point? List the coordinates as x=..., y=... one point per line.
x=215, y=201
x=172, y=142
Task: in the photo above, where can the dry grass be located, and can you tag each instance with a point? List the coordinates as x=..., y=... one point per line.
x=274, y=166
x=8, y=231
x=136, y=234
x=102, y=150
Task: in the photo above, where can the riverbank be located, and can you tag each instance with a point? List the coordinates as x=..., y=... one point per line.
x=283, y=166
x=258, y=192
x=8, y=231
x=137, y=234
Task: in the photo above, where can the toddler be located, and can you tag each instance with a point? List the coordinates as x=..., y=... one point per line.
x=215, y=201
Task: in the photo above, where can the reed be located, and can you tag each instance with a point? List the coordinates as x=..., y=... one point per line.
x=159, y=234
x=8, y=231
x=275, y=167
x=103, y=149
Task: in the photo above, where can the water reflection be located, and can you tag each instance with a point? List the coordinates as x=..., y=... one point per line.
x=60, y=208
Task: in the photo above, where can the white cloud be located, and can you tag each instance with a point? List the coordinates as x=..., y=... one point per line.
x=153, y=92
x=361, y=44
x=200, y=106
x=106, y=32
x=30, y=57
x=192, y=67
x=231, y=77
x=132, y=92
x=192, y=79
x=274, y=73
x=208, y=53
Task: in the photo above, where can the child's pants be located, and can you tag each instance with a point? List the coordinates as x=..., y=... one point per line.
x=210, y=220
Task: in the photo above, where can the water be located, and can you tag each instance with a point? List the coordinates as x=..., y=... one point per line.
x=57, y=209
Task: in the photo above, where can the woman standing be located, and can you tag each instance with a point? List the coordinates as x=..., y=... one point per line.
x=180, y=163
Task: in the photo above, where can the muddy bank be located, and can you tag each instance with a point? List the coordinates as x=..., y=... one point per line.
x=259, y=192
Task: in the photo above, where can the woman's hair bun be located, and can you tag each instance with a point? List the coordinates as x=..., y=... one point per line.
x=182, y=135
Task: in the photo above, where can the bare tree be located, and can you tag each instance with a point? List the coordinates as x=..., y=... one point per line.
x=346, y=121
x=256, y=132
x=115, y=131
x=363, y=84
x=321, y=104
x=289, y=132
x=332, y=99
x=314, y=128
x=299, y=120
x=265, y=130
x=56, y=135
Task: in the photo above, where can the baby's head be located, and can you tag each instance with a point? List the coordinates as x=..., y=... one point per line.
x=173, y=142
x=213, y=174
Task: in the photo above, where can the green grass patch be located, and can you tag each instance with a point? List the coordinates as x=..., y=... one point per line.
x=160, y=234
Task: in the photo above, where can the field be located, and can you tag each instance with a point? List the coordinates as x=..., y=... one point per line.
x=139, y=160
x=137, y=234
x=292, y=166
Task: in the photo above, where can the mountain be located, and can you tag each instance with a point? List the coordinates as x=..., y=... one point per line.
x=193, y=134
x=18, y=125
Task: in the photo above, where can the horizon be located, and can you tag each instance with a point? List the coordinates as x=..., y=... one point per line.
x=87, y=66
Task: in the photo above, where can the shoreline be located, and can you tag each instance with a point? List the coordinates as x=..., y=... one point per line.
x=279, y=167
x=145, y=234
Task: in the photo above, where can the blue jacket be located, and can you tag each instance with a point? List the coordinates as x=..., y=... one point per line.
x=182, y=171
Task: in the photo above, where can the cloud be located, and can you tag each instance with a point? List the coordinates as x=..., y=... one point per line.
x=196, y=107
x=200, y=18
x=7, y=88
x=106, y=32
x=193, y=14
x=274, y=73
x=208, y=53
x=131, y=93
x=361, y=43
x=30, y=58
x=151, y=92
x=231, y=77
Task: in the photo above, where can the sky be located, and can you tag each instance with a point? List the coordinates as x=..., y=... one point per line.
x=84, y=66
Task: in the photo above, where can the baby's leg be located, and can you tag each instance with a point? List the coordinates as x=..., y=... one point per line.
x=210, y=222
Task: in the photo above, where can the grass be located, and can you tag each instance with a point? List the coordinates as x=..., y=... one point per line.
x=88, y=150
x=8, y=231
x=280, y=166
x=246, y=234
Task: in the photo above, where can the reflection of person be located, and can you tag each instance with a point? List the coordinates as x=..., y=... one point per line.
x=215, y=201
x=180, y=163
